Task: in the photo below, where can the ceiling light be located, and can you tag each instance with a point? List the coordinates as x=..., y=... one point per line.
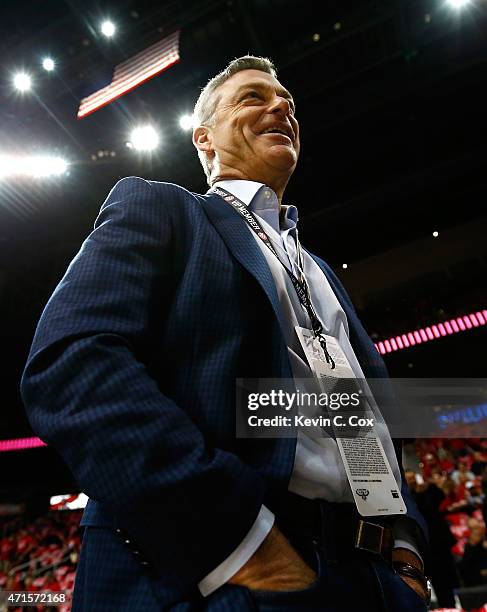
x=186, y=122
x=108, y=28
x=144, y=138
x=22, y=81
x=36, y=166
x=458, y=4
x=48, y=64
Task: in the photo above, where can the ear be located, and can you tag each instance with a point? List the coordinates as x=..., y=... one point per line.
x=202, y=140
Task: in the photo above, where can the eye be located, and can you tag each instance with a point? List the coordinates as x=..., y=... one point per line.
x=252, y=94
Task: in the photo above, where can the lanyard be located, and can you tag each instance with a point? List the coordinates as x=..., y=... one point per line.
x=300, y=285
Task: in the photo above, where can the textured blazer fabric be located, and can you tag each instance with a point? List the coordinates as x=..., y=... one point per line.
x=131, y=377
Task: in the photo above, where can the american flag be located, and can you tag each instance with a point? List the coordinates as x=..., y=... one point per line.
x=133, y=72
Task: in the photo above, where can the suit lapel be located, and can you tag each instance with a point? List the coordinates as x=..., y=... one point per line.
x=241, y=244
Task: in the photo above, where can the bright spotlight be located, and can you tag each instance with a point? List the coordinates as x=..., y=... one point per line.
x=35, y=166
x=108, y=28
x=22, y=81
x=186, y=122
x=144, y=138
x=50, y=166
x=458, y=4
x=48, y=64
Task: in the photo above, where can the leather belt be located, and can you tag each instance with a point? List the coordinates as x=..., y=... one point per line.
x=337, y=528
x=375, y=538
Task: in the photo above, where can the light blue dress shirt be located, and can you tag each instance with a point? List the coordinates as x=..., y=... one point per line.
x=318, y=471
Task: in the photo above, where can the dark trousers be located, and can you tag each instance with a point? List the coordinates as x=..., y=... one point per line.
x=359, y=585
x=109, y=577
x=348, y=580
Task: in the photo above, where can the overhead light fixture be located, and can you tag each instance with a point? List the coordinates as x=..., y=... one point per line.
x=458, y=4
x=435, y=234
x=37, y=166
x=144, y=138
x=108, y=28
x=48, y=64
x=186, y=122
x=22, y=81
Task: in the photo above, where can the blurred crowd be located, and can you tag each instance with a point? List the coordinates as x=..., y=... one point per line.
x=450, y=486
x=40, y=554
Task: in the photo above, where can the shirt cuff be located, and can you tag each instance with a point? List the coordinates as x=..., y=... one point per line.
x=404, y=536
x=239, y=557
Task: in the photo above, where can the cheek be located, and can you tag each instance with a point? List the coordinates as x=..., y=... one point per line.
x=239, y=134
x=248, y=141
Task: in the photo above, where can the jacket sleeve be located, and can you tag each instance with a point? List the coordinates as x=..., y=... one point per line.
x=88, y=393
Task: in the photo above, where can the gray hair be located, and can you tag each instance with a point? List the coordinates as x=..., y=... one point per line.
x=207, y=102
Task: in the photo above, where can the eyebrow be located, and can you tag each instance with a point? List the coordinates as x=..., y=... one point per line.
x=284, y=93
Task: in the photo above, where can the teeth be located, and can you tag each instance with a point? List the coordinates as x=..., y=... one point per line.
x=273, y=130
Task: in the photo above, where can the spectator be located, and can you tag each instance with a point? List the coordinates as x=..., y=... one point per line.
x=475, y=495
x=441, y=565
x=454, y=499
x=473, y=566
x=479, y=462
x=462, y=474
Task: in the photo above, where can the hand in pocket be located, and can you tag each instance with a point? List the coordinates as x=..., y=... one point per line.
x=275, y=566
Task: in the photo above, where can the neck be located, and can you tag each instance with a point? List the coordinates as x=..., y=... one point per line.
x=233, y=174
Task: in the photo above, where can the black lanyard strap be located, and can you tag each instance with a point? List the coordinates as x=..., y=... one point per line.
x=300, y=285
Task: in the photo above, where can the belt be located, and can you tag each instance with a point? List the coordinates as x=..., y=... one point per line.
x=336, y=528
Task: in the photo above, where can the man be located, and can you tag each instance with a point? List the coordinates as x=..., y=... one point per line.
x=428, y=497
x=132, y=374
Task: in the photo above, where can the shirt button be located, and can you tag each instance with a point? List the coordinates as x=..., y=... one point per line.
x=267, y=193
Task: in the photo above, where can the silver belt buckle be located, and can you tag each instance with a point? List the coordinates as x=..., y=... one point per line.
x=369, y=537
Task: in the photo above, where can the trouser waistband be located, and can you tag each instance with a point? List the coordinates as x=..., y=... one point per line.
x=337, y=529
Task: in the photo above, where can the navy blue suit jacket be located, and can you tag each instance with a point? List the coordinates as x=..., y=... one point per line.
x=131, y=377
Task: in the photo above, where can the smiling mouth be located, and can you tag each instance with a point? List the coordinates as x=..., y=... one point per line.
x=279, y=131
x=278, y=135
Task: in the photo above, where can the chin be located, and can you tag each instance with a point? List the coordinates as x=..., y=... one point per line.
x=282, y=159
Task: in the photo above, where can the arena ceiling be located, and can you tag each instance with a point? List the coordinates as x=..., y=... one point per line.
x=391, y=98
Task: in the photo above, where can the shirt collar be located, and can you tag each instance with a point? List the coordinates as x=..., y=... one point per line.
x=262, y=201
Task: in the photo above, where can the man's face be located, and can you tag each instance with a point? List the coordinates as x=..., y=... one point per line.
x=254, y=129
x=410, y=479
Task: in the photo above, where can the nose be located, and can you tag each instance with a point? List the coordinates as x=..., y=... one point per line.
x=281, y=105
